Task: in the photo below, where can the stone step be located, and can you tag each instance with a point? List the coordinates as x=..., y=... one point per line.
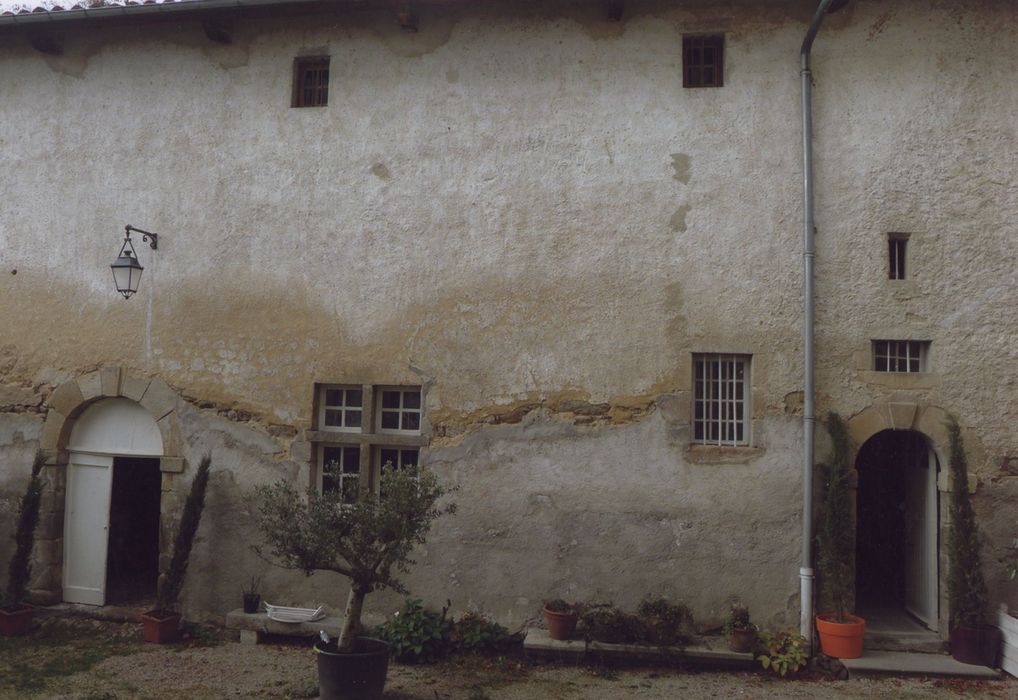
x=920, y=642
x=899, y=663
x=538, y=643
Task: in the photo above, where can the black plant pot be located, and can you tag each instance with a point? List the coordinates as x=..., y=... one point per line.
x=359, y=675
x=251, y=602
x=976, y=645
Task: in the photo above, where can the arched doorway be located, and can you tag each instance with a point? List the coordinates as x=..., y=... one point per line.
x=112, y=507
x=897, y=536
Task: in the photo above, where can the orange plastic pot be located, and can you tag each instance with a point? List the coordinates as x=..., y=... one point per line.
x=842, y=640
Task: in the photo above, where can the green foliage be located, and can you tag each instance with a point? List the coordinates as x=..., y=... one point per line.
x=474, y=632
x=835, y=532
x=738, y=619
x=20, y=570
x=169, y=591
x=1012, y=567
x=966, y=589
x=560, y=606
x=417, y=635
x=604, y=622
x=664, y=623
x=782, y=652
x=369, y=541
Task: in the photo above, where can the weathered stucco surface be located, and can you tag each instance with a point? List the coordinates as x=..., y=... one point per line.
x=521, y=206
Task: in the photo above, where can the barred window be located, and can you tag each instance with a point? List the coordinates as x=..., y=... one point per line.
x=900, y=355
x=311, y=81
x=721, y=399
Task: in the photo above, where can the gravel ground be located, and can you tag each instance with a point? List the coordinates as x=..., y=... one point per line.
x=90, y=660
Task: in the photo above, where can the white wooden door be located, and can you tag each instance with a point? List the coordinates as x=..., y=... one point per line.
x=86, y=527
x=921, y=570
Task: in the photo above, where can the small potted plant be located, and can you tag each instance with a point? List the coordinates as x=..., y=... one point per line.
x=15, y=613
x=252, y=598
x=561, y=618
x=369, y=542
x=841, y=633
x=972, y=641
x=162, y=625
x=740, y=631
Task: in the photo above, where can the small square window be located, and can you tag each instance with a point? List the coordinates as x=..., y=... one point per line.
x=341, y=408
x=896, y=246
x=311, y=81
x=703, y=61
x=400, y=410
x=900, y=355
x=721, y=409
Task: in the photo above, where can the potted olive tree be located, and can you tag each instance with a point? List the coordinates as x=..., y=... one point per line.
x=841, y=633
x=369, y=542
x=972, y=640
x=162, y=625
x=15, y=613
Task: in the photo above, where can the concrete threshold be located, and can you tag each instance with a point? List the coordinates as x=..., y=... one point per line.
x=903, y=663
x=539, y=644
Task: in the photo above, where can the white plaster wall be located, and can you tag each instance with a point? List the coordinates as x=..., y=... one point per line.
x=521, y=204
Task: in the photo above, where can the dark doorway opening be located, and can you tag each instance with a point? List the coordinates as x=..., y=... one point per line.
x=880, y=533
x=132, y=561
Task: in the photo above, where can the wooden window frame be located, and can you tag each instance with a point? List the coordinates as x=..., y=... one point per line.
x=692, y=70
x=302, y=65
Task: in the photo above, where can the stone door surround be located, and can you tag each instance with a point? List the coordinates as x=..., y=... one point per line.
x=65, y=404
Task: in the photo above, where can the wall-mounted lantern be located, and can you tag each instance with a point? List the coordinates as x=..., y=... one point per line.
x=126, y=268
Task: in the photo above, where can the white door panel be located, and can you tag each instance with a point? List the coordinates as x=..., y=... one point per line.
x=921, y=579
x=86, y=527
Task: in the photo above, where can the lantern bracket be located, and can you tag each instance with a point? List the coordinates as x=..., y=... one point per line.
x=146, y=236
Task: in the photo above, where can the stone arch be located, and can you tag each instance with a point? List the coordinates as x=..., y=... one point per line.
x=929, y=421
x=67, y=402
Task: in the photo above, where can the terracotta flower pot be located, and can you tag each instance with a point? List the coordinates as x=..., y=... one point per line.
x=17, y=621
x=160, y=627
x=842, y=640
x=742, y=641
x=561, y=625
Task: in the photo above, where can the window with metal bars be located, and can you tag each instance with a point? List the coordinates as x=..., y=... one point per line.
x=721, y=399
x=311, y=81
x=900, y=355
x=896, y=245
x=703, y=61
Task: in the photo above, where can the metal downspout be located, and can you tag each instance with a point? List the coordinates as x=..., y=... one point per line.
x=808, y=417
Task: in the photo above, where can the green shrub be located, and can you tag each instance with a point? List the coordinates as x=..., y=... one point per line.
x=836, y=532
x=417, y=635
x=604, y=622
x=475, y=632
x=20, y=570
x=664, y=623
x=738, y=619
x=966, y=589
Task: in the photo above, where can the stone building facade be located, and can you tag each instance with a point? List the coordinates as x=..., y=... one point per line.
x=514, y=246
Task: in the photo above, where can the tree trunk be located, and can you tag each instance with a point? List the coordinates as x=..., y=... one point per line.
x=352, y=622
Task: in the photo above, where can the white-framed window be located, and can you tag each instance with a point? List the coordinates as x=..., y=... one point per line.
x=341, y=408
x=721, y=408
x=398, y=457
x=340, y=470
x=900, y=355
x=399, y=410
x=357, y=428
